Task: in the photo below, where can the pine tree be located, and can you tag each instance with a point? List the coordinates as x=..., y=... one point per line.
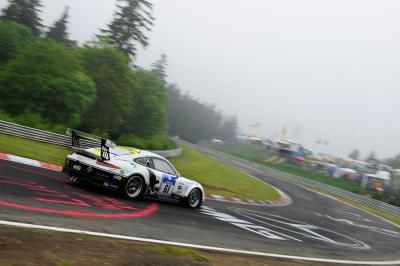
x=58, y=31
x=354, y=154
x=128, y=27
x=371, y=158
x=228, y=128
x=159, y=68
x=25, y=12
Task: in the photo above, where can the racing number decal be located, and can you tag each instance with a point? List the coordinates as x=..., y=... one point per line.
x=167, y=184
x=166, y=188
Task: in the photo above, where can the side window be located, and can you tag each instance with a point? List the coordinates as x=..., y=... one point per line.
x=144, y=161
x=163, y=166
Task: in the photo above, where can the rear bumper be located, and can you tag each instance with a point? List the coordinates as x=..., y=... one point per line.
x=93, y=175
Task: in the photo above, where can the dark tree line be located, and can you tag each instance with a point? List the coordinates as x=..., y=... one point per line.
x=48, y=81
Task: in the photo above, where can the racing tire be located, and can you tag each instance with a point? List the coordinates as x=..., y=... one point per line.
x=194, y=199
x=134, y=188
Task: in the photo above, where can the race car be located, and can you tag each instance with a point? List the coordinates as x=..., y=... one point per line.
x=135, y=173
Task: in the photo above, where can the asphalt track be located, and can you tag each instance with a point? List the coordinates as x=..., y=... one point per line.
x=312, y=226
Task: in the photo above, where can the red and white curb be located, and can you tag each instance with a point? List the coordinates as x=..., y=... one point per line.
x=18, y=159
x=283, y=201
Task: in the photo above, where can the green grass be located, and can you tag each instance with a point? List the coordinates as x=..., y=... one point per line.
x=254, y=154
x=64, y=263
x=217, y=178
x=221, y=179
x=33, y=149
x=180, y=251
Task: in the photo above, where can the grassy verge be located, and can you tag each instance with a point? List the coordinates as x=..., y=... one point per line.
x=33, y=149
x=180, y=251
x=217, y=178
x=221, y=179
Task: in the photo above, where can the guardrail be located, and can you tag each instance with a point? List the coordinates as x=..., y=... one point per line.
x=299, y=180
x=59, y=139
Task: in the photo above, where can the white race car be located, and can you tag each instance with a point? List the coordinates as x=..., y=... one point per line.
x=135, y=173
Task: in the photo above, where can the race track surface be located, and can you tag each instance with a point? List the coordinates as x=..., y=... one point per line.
x=312, y=226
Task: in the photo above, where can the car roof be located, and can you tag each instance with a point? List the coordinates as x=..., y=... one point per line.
x=124, y=151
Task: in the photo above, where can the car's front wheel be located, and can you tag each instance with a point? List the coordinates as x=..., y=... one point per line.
x=194, y=199
x=135, y=187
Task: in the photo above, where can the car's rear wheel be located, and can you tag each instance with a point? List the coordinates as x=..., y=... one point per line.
x=194, y=199
x=135, y=187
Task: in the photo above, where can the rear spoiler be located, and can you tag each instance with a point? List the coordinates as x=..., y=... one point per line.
x=105, y=144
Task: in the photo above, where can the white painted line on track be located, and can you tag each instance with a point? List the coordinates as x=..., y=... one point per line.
x=203, y=247
x=309, y=189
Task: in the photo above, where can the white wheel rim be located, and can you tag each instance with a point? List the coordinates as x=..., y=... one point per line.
x=194, y=197
x=134, y=186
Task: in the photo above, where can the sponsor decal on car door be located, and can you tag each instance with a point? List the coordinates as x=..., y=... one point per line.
x=167, y=185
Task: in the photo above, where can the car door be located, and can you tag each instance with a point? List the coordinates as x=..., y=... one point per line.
x=166, y=175
x=154, y=177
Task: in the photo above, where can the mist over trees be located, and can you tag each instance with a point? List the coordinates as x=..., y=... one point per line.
x=49, y=82
x=187, y=117
x=193, y=121
x=393, y=162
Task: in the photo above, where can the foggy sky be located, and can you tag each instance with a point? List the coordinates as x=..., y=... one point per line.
x=327, y=69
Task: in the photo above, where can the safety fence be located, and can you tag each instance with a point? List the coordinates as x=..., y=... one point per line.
x=299, y=180
x=59, y=139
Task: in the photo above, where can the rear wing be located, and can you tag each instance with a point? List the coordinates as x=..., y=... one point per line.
x=105, y=144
